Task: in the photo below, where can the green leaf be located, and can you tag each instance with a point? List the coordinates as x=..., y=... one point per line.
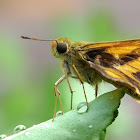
x=72, y=125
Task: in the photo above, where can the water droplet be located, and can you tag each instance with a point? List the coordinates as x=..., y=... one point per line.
x=95, y=137
x=74, y=130
x=82, y=107
x=90, y=126
x=58, y=113
x=2, y=136
x=19, y=128
x=27, y=133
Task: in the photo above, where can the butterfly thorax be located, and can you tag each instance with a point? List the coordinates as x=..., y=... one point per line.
x=73, y=56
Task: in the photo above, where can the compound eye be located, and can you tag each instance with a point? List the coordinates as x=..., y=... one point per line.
x=61, y=47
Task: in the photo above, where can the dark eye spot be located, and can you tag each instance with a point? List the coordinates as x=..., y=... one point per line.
x=61, y=47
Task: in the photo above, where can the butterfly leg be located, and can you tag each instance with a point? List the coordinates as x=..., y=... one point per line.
x=57, y=94
x=77, y=73
x=70, y=91
x=96, y=90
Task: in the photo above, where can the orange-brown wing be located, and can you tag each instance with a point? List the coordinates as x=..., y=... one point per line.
x=119, y=62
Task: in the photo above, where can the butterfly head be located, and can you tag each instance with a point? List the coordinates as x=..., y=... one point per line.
x=60, y=47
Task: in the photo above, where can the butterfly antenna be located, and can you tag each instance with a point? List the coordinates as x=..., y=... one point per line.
x=35, y=38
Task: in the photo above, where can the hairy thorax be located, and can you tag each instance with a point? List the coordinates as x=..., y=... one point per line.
x=87, y=74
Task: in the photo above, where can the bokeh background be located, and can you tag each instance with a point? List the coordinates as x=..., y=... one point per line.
x=28, y=70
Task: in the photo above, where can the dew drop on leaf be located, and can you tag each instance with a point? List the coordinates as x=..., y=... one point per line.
x=2, y=136
x=19, y=128
x=90, y=126
x=82, y=107
x=74, y=130
x=58, y=113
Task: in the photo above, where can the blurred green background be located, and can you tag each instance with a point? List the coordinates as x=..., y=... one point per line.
x=28, y=70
